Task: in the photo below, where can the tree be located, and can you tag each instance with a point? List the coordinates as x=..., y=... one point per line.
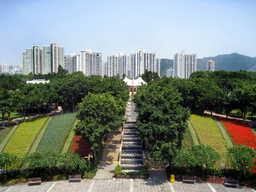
x=211, y=95
x=72, y=88
x=4, y=103
x=206, y=157
x=162, y=120
x=99, y=114
x=190, y=91
x=242, y=158
x=244, y=97
x=149, y=76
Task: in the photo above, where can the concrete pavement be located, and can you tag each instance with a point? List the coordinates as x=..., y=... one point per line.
x=103, y=181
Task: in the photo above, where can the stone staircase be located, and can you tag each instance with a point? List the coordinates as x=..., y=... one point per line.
x=132, y=158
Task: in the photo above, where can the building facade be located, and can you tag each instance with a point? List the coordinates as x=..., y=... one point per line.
x=184, y=64
x=210, y=65
x=44, y=61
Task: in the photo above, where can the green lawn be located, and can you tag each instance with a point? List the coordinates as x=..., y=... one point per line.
x=188, y=140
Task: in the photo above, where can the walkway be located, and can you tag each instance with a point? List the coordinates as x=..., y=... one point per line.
x=157, y=183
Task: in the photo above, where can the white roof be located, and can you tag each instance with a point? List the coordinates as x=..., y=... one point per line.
x=134, y=82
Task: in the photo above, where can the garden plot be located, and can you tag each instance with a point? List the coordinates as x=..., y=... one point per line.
x=57, y=132
x=23, y=137
x=209, y=133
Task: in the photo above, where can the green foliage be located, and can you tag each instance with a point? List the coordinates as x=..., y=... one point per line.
x=242, y=158
x=162, y=120
x=206, y=157
x=118, y=170
x=56, y=133
x=150, y=76
x=99, y=114
x=7, y=160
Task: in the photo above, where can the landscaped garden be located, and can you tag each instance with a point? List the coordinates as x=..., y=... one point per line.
x=56, y=133
x=23, y=137
x=209, y=133
x=241, y=134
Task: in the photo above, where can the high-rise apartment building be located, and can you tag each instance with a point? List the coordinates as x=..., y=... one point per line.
x=0, y=69
x=170, y=72
x=132, y=65
x=27, y=62
x=37, y=59
x=184, y=64
x=67, y=63
x=210, y=65
x=44, y=60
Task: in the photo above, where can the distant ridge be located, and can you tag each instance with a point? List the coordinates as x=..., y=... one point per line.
x=226, y=62
x=229, y=62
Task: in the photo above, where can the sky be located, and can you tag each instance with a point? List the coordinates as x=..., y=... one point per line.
x=165, y=27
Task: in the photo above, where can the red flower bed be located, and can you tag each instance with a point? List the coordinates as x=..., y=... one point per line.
x=241, y=134
x=80, y=147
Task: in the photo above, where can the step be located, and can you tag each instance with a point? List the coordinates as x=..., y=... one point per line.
x=132, y=156
x=131, y=152
x=132, y=147
x=131, y=162
x=132, y=143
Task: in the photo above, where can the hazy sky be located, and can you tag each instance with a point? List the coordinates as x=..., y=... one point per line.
x=202, y=27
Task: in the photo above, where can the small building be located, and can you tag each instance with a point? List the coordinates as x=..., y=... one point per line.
x=37, y=81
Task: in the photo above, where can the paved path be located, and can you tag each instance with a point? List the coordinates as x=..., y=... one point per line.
x=103, y=182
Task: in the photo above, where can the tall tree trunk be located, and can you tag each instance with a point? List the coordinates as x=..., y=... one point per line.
x=3, y=117
x=94, y=157
x=244, y=116
x=39, y=112
x=24, y=116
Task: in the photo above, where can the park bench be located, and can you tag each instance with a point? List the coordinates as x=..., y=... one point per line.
x=188, y=179
x=74, y=178
x=231, y=182
x=34, y=181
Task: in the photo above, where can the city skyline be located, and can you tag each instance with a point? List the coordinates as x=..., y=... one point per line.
x=208, y=28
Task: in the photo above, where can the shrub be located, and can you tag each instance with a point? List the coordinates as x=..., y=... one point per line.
x=242, y=158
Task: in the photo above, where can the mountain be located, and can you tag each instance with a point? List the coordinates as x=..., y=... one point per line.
x=229, y=62
x=164, y=65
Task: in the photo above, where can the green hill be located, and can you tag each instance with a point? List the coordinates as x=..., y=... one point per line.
x=229, y=62
x=165, y=64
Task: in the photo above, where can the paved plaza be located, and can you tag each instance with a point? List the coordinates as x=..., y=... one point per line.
x=104, y=182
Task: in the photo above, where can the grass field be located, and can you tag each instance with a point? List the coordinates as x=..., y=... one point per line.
x=188, y=140
x=57, y=132
x=23, y=137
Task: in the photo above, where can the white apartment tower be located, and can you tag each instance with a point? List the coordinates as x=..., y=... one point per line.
x=210, y=65
x=184, y=64
x=37, y=59
x=44, y=60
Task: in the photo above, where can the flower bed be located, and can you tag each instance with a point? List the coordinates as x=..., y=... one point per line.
x=209, y=133
x=56, y=133
x=80, y=147
x=24, y=136
x=241, y=134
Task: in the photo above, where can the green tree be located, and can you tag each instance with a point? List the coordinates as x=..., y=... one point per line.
x=162, y=120
x=211, y=95
x=7, y=160
x=206, y=157
x=150, y=76
x=243, y=158
x=99, y=114
x=4, y=103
